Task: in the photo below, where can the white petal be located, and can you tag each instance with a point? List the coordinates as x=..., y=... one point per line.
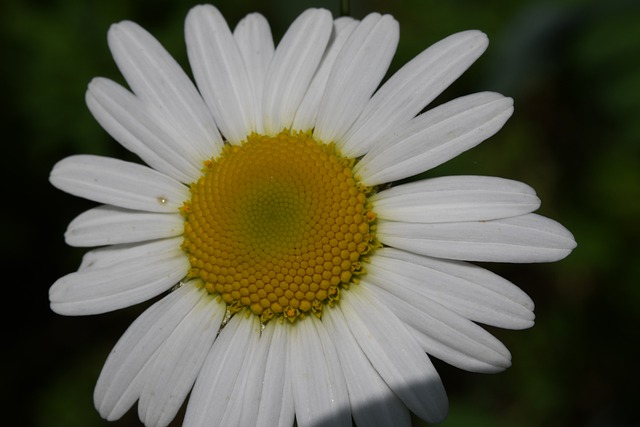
x=525, y=238
x=372, y=401
x=177, y=361
x=220, y=72
x=121, y=114
x=253, y=374
x=359, y=68
x=122, y=378
x=276, y=401
x=254, y=40
x=336, y=411
x=471, y=291
x=447, y=335
x=394, y=353
x=216, y=381
x=455, y=198
x=307, y=113
x=292, y=67
x=250, y=375
x=315, y=362
x=115, y=286
x=411, y=88
x=119, y=183
x=115, y=254
x=157, y=79
x=435, y=137
x=109, y=225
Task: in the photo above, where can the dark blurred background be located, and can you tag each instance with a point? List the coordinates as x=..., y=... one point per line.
x=573, y=68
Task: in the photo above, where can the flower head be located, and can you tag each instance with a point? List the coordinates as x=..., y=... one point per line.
x=299, y=281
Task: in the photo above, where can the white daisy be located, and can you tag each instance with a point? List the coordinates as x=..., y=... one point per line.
x=309, y=287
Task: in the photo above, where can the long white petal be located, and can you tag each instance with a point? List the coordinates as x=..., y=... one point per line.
x=119, y=183
x=394, y=353
x=157, y=79
x=469, y=290
x=447, y=335
x=293, y=66
x=359, y=68
x=220, y=72
x=276, y=401
x=148, y=135
x=115, y=254
x=254, y=40
x=253, y=381
x=115, y=286
x=239, y=406
x=338, y=407
x=315, y=362
x=455, y=198
x=216, y=381
x=177, y=362
x=372, y=401
x=435, y=137
x=525, y=238
x=122, y=378
x=109, y=225
x=411, y=88
x=307, y=112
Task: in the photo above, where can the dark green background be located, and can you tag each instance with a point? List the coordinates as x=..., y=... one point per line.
x=573, y=69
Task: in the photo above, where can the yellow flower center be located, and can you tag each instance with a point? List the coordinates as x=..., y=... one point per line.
x=278, y=224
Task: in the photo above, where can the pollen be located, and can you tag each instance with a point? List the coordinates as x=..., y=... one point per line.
x=279, y=225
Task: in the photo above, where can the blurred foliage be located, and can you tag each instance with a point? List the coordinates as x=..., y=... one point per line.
x=573, y=68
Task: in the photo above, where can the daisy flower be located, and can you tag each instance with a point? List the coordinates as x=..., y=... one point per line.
x=295, y=280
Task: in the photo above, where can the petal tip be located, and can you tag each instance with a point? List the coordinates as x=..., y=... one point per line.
x=122, y=29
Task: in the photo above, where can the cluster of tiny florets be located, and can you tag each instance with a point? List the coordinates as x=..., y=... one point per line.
x=279, y=225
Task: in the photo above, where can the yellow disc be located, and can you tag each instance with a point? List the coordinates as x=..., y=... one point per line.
x=278, y=224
